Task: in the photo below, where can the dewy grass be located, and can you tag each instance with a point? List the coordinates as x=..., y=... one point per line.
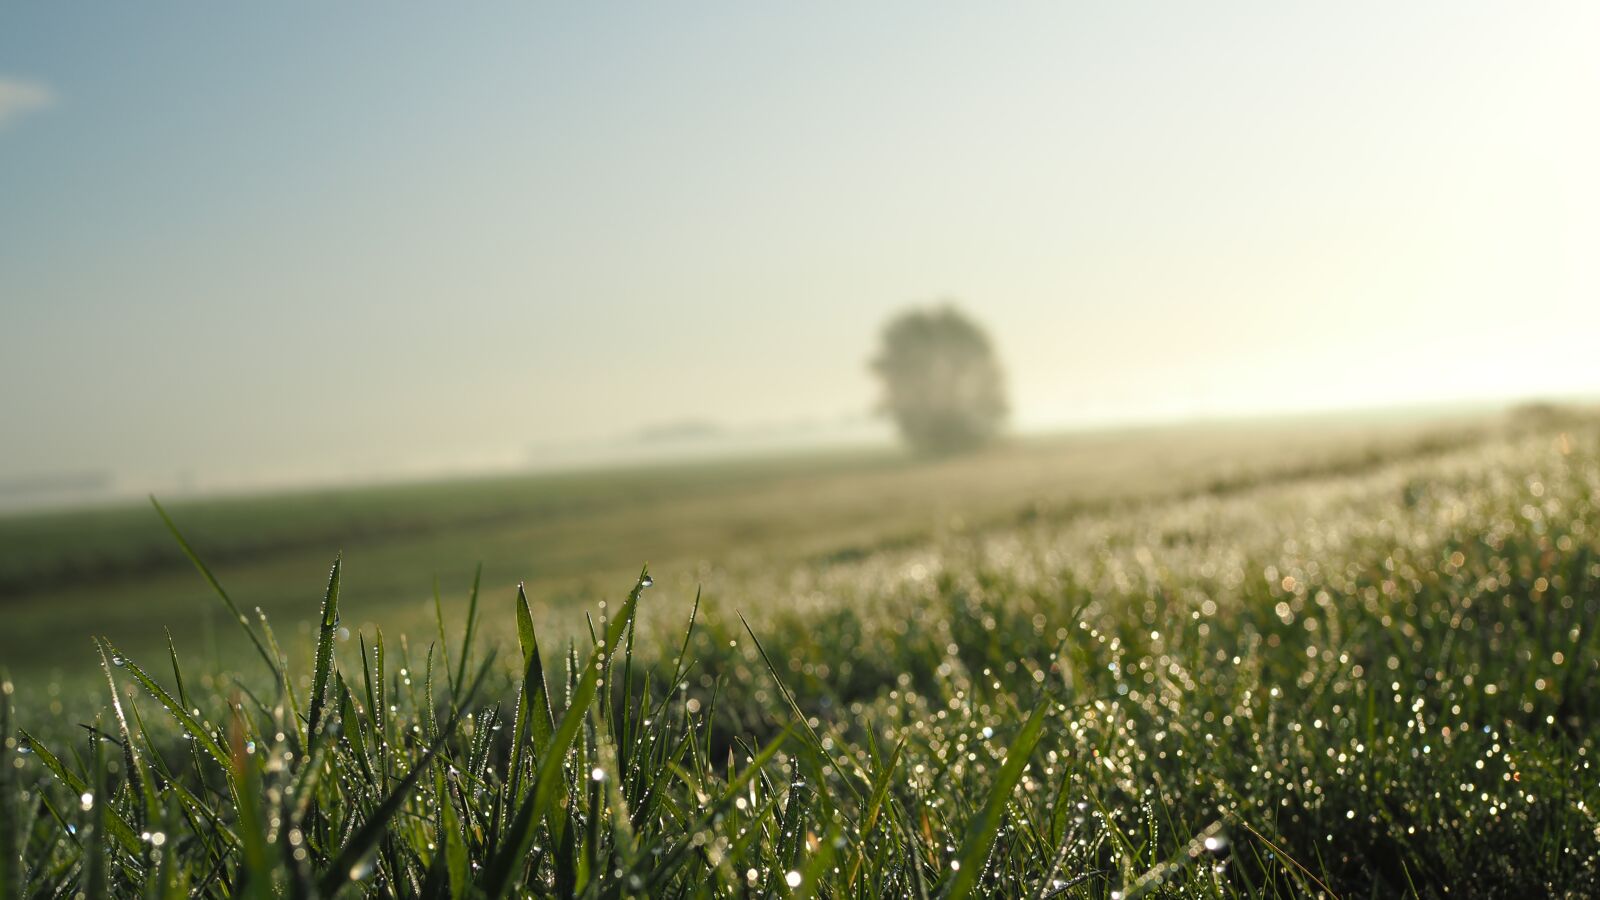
x=1379, y=683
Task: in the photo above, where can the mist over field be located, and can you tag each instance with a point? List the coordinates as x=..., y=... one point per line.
x=1051, y=451
x=322, y=244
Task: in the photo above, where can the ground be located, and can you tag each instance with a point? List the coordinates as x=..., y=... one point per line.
x=1349, y=658
x=573, y=537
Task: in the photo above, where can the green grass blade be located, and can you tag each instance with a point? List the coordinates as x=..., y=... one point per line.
x=124, y=834
x=10, y=802
x=453, y=841
x=177, y=672
x=374, y=713
x=981, y=832
x=286, y=692
x=338, y=872
x=794, y=707
x=535, y=723
x=138, y=778
x=324, y=662
x=498, y=877
x=257, y=869
x=444, y=643
x=472, y=621
x=190, y=724
x=380, y=706
x=74, y=783
x=869, y=819
x=355, y=728
x=663, y=870
x=96, y=877
x=216, y=586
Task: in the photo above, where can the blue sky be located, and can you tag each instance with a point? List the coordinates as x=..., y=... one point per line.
x=270, y=243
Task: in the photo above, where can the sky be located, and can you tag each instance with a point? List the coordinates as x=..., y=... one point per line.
x=300, y=240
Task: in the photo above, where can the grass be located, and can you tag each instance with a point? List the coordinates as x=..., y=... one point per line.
x=573, y=537
x=1365, y=676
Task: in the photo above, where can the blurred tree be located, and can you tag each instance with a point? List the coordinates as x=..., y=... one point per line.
x=942, y=383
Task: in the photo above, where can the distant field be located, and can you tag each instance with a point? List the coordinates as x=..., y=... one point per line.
x=574, y=537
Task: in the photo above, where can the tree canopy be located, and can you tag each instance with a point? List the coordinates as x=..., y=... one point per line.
x=942, y=382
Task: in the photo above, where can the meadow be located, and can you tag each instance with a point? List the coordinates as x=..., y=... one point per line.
x=573, y=537
x=1349, y=659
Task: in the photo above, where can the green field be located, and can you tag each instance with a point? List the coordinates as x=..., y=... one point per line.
x=1351, y=657
x=573, y=537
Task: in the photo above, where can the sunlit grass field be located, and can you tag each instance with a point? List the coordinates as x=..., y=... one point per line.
x=1351, y=659
x=574, y=537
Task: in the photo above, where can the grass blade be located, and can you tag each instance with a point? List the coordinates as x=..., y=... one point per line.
x=324, y=663
x=663, y=869
x=981, y=832
x=120, y=829
x=205, y=572
x=453, y=842
x=96, y=877
x=138, y=778
x=10, y=807
x=339, y=871
x=498, y=877
x=874, y=805
x=534, y=723
x=257, y=870
x=190, y=724
x=472, y=621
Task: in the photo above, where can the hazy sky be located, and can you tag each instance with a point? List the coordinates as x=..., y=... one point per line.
x=244, y=241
